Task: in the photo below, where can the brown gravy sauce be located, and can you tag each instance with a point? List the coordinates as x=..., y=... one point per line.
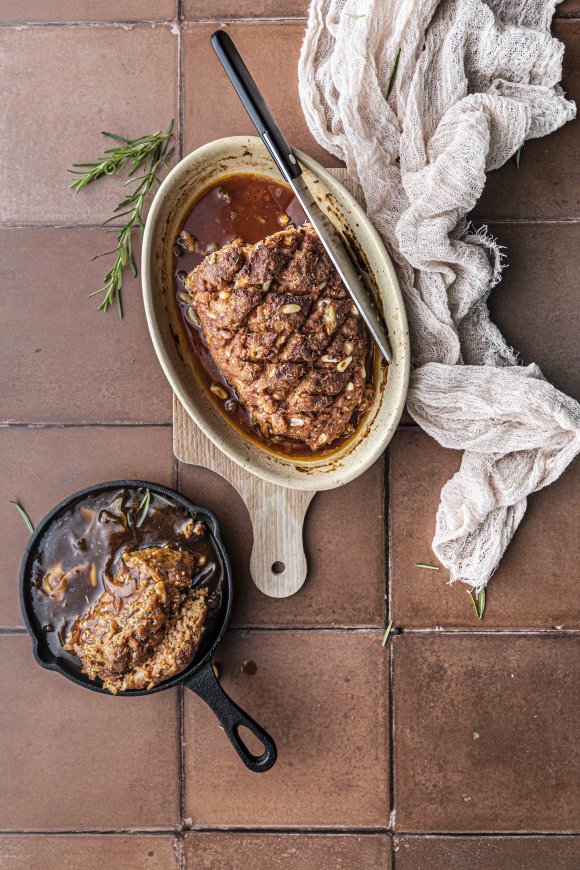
x=250, y=207
x=84, y=544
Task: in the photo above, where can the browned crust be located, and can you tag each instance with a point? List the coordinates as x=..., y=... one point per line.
x=284, y=333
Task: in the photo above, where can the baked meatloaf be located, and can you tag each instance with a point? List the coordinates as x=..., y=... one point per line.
x=146, y=625
x=284, y=333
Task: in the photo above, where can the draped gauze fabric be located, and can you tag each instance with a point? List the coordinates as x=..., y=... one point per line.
x=473, y=81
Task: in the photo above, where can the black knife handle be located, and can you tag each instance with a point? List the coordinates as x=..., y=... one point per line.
x=255, y=105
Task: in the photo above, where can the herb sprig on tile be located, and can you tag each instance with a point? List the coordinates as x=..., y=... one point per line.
x=148, y=154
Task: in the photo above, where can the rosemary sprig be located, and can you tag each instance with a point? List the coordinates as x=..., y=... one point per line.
x=478, y=602
x=387, y=633
x=428, y=567
x=28, y=522
x=393, y=73
x=143, y=508
x=148, y=153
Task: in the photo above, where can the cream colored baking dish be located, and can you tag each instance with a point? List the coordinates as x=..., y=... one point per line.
x=172, y=203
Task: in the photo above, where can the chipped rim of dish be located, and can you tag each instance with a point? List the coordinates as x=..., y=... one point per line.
x=173, y=201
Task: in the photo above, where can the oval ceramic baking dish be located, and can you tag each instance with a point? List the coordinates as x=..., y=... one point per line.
x=174, y=199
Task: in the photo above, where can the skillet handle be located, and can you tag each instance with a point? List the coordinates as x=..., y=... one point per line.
x=231, y=717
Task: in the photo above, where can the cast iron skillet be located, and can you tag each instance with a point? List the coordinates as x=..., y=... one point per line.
x=199, y=676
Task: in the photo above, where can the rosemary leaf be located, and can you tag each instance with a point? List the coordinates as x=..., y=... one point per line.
x=518, y=157
x=24, y=515
x=163, y=499
x=481, y=603
x=148, y=152
x=143, y=509
x=470, y=593
x=393, y=73
x=478, y=602
x=387, y=633
x=429, y=567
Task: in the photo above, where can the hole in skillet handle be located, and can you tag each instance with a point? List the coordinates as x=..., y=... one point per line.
x=232, y=718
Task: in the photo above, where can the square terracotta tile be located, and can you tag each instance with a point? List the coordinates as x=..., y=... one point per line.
x=117, y=78
x=87, y=852
x=487, y=853
x=89, y=10
x=536, y=303
x=323, y=696
x=344, y=538
x=212, y=108
x=62, y=360
x=485, y=732
x=223, y=10
x=533, y=586
x=547, y=184
x=287, y=851
x=72, y=758
x=42, y=466
x=568, y=9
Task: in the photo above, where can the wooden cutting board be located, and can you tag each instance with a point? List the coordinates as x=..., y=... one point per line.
x=278, y=562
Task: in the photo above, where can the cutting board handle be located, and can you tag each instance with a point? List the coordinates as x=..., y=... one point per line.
x=278, y=562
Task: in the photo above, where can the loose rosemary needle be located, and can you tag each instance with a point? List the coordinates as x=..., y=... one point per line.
x=27, y=521
x=478, y=602
x=148, y=153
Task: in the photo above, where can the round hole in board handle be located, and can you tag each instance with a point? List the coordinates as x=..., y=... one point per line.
x=278, y=568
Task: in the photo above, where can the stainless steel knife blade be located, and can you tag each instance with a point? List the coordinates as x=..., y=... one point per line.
x=336, y=250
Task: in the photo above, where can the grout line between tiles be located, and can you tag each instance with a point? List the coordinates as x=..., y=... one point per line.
x=389, y=617
x=128, y=23
x=379, y=630
x=390, y=525
x=244, y=21
x=522, y=835
x=179, y=851
x=437, y=632
x=180, y=105
x=89, y=832
x=55, y=25
x=475, y=218
x=138, y=22
x=386, y=536
x=329, y=832
x=392, y=690
x=181, y=722
x=136, y=425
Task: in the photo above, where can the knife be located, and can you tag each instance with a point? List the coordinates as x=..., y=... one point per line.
x=286, y=161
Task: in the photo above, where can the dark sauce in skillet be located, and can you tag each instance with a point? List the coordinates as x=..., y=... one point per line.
x=81, y=550
x=250, y=207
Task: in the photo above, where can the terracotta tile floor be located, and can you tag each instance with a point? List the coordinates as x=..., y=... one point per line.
x=456, y=747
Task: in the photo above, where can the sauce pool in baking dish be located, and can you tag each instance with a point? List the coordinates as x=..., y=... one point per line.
x=250, y=207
